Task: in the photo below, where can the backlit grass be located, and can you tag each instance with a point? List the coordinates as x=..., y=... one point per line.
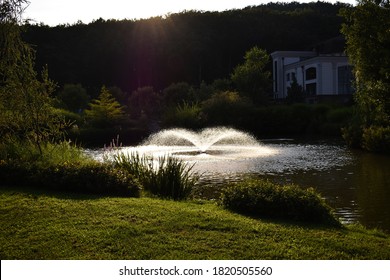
x=59, y=226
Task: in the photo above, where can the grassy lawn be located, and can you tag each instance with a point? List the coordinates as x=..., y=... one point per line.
x=64, y=226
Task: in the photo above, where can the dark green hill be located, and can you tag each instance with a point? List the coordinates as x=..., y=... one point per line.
x=191, y=46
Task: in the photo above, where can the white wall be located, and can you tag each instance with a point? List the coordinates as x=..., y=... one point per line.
x=327, y=83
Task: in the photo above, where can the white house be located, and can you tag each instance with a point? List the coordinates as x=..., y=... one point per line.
x=320, y=75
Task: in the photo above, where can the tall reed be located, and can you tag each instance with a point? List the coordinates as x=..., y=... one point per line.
x=166, y=176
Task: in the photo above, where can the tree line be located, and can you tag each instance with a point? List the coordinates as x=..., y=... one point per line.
x=190, y=47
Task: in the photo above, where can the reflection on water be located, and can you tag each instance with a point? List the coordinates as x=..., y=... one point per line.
x=354, y=183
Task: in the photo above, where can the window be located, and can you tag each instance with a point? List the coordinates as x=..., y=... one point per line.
x=311, y=73
x=288, y=77
x=345, y=78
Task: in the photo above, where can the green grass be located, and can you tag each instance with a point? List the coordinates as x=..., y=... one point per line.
x=64, y=226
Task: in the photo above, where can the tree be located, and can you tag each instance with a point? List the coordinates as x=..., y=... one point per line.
x=295, y=91
x=368, y=47
x=251, y=78
x=144, y=102
x=11, y=10
x=26, y=111
x=105, y=111
x=74, y=97
x=367, y=31
x=118, y=94
x=177, y=94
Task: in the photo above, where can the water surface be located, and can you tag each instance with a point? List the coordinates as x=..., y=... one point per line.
x=354, y=183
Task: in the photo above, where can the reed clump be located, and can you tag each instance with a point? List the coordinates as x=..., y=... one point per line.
x=166, y=176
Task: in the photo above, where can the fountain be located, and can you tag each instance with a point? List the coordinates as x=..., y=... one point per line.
x=204, y=141
x=209, y=144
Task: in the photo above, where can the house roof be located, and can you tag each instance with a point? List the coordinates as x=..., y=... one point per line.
x=301, y=54
x=318, y=59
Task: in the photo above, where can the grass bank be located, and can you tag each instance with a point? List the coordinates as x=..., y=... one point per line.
x=63, y=226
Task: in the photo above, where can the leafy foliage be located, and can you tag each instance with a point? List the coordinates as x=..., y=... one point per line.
x=251, y=77
x=368, y=46
x=177, y=94
x=19, y=152
x=26, y=105
x=74, y=97
x=86, y=177
x=376, y=139
x=267, y=200
x=144, y=102
x=186, y=115
x=61, y=166
x=11, y=10
x=227, y=108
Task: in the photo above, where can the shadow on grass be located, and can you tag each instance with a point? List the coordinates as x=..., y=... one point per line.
x=291, y=223
x=35, y=192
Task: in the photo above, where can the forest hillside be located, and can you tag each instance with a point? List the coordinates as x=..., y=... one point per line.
x=191, y=46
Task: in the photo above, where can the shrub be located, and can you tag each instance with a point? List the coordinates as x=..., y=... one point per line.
x=71, y=118
x=352, y=134
x=24, y=152
x=63, y=167
x=91, y=177
x=262, y=198
x=340, y=115
x=376, y=139
x=169, y=177
x=178, y=93
x=227, y=108
x=185, y=115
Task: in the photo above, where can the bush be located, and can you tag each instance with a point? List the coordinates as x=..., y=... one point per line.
x=169, y=178
x=340, y=115
x=262, y=198
x=63, y=167
x=23, y=152
x=91, y=177
x=185, y=115
x=376, y=139
x=227, y=109
x=71, y=118
x=352, y=134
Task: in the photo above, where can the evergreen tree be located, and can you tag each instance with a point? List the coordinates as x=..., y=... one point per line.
x=105, y=111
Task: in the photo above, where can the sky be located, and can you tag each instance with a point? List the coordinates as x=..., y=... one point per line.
x=54, y=12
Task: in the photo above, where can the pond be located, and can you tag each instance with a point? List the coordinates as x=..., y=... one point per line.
x=356, y=184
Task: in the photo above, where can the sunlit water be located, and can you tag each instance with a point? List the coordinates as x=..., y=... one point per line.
x=355, y=184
